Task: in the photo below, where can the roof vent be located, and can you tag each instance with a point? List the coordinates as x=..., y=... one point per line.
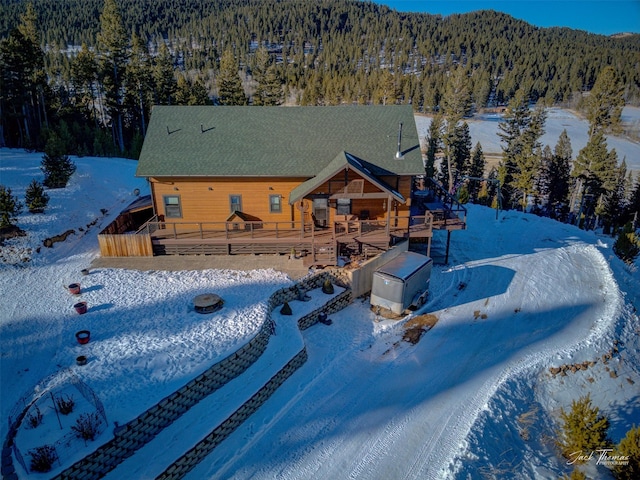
x=399, y=155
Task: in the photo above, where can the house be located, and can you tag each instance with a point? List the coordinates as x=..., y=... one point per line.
x=323, y=181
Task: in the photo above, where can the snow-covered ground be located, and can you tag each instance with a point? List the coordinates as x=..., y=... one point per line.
x=473, y=397
x=484, y=128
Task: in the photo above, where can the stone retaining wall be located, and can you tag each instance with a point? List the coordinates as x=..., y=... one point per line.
x=205, y=446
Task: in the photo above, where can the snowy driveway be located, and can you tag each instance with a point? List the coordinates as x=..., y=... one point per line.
x=367, y=405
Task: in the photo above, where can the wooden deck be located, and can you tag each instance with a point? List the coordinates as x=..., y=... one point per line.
x=317, y=245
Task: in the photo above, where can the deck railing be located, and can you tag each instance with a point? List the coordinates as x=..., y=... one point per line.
x=255, y=230
x=233, y=230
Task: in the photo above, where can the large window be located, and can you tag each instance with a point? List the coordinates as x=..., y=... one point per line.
x=275, y=204
x=172, y=207
x=235, y=203
x=344, y=206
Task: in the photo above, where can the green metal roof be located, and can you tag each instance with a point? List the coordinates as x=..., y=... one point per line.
x=240, y=141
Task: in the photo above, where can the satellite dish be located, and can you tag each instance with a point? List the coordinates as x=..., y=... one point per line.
x=136, y=192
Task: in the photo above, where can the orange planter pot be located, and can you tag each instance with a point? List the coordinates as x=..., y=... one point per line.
x=83, y=336
x=81, y=307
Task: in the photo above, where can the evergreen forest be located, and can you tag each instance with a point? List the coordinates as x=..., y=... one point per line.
x=84, y=74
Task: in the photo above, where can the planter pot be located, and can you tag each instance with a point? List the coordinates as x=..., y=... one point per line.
x=83, y=336
x=74, y=288
x=81, y=307
x=81, y=360
x=85, y=271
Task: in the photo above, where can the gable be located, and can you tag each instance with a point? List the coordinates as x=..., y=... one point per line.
x=343, y=161
x=275, y=141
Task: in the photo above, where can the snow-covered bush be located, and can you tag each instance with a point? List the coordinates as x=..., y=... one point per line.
x=34, y=419
x=65, y=405
x=87, y=426
x=42, y=458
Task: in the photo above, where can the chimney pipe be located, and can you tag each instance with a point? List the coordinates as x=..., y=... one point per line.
x=399, y=155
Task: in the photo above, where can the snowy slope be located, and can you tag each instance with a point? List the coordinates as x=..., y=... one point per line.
x=475, y=396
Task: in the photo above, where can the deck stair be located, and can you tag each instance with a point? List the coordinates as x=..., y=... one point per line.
x=448, y=213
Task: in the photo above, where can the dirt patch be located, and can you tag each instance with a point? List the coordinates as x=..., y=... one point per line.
x=48, y=242
x=386, y=313
x=9, y=232
x=418, y=326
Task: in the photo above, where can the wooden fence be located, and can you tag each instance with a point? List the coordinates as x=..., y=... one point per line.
x=130, y=245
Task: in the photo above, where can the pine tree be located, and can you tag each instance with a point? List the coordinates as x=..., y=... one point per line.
x=35, y=197
x=165, y=84
x=188, y=93
x=558, y=174
x=10, y=207
x=583, y=430
x=434, y=145
x=521, y=158
x=595, y=169
x=18, y=69
x=113, y=56
x=84, y=74
x=605, y=102
x=139, y=84
x=476, y=170
x=56, y=166
x=271, y=92
x=457, y=104
x=634, y=204
x=230, y=90
x=461, y=149
x=575, y=475
x=614, y=203
x=629, y=447
x=387, y=91
x=627, y=245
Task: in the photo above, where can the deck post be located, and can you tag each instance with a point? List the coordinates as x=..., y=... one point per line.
x=388, y=227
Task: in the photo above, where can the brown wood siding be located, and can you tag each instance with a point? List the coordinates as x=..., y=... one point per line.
x=125, y=245
x=207, y=200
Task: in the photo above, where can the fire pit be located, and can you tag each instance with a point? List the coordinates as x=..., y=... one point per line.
x=207, y=303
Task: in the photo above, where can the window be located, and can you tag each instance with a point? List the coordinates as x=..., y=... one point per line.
x=275, y=205
x=235, y=203
x=344, y=206
x=172, y=208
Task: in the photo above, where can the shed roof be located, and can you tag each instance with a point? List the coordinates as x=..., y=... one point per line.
x=275, y=141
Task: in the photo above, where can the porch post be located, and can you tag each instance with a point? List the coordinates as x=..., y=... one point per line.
x=388, y=229
x=446, y=258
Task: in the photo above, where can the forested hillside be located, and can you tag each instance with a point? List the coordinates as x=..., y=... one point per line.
x=81, y=77
x=322, y=52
